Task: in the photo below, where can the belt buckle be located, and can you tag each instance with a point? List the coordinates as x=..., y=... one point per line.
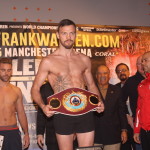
x=74, y=101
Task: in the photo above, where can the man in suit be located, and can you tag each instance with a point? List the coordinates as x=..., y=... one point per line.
x=45, y=124
x=130, y=92
x=130, y=87
x=111, y=125
x=122, y=71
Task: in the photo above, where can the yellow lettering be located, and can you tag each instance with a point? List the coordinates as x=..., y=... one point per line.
x=85, y=40
x=43, y=39
x=14, y=39
x=114, y=42
x=78, y=40
x=5, y=37
x=54, y=41
x=105, y=41
x=31, y=39
x=23, y=39
x=97, y=42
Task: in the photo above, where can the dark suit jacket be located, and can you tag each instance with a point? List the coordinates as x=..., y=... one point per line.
x=130, y=90
x=118, y=84
x=112, y=120
x=126, y=108
x=43, y=122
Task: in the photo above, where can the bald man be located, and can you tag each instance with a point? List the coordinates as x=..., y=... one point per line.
x=112, y=124
x=130, y=89
x=130, y=93
x=142, y=122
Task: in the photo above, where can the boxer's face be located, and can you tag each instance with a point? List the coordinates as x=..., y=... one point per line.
x=5, y=72
x=66, y=36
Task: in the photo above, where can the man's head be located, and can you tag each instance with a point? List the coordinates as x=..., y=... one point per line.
x=5, y=69
x=139, y=65
x=66, y=33
x=122, y=71
x=102, y=75
x=65, y=22
x=146, y=62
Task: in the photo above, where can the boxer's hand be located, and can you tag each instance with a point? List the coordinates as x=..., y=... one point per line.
x=26, y=141
x=100, y=107
x=47, y=109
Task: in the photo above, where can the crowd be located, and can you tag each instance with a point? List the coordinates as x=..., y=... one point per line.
x=121, y=120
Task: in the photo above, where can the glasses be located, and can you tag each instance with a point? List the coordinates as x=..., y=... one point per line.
x=123, y=70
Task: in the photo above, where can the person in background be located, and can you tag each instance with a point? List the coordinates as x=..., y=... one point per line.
x=122, y=71
x=11, y=106
x=142, y=121
x=130, y=93
x=45, y=124
x=111, y=125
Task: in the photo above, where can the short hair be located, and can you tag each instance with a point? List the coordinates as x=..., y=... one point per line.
x=120, y=65
x=65, y=22
x=6, y=61
x=101, y=66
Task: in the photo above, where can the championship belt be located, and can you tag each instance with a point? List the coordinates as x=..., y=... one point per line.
x=73, y=102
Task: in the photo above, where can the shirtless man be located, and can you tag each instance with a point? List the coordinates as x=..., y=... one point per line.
x=10, y=104
x=66, y=69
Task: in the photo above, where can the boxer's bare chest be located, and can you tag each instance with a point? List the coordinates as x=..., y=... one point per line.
x=66, y=73
x=8, y=97
x=67, y=66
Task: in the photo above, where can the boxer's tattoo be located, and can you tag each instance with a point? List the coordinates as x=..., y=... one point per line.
x=61, y=84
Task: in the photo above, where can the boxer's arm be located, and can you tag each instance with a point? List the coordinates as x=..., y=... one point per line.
x=89, y=79
x=91, y=85
x=22, y=118
x=38, y=82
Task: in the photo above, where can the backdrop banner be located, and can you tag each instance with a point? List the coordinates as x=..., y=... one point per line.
x=27, y=43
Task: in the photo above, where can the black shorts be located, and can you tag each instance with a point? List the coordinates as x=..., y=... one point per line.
x=12, y=140
x=66, y=125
